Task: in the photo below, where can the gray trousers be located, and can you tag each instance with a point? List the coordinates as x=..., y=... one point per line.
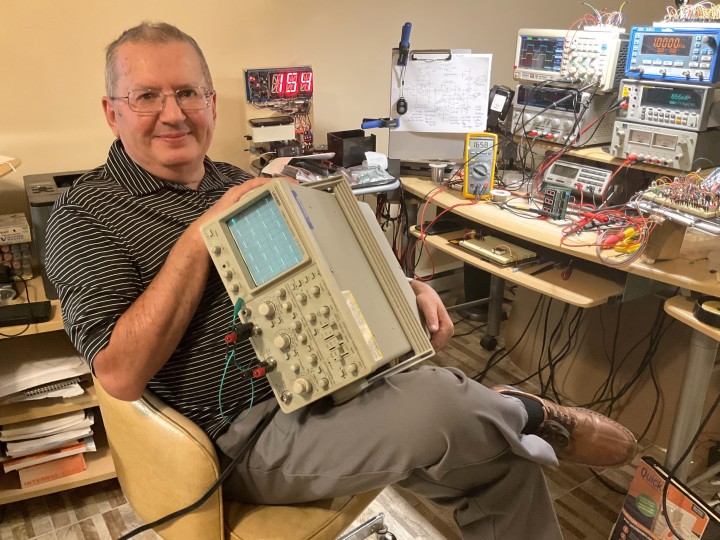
x=431, y=430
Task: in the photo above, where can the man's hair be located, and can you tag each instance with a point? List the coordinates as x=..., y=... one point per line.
x=149, y=32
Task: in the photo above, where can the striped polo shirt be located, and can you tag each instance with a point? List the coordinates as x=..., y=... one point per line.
x=107, y=238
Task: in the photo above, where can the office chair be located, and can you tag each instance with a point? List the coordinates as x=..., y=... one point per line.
x=165, y=462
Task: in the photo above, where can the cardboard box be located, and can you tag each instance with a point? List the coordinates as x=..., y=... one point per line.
x=15, y=252
x=14, y=229
x=642, y=518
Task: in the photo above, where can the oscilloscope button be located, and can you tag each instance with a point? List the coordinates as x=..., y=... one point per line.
x=228, y=274
x=324, y=383
x=216, y=250
x=234, y=287
x=301, y=297
x=312, y=359
x=315, y=290
x=325, y=311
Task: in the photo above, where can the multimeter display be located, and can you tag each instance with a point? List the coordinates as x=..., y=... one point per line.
x=480, y=155
x=685, y=98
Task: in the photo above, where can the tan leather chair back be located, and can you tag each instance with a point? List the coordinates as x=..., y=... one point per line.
x=164, y=462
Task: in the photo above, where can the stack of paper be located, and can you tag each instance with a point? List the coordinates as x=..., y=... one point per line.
x=26, y=371
x=48, y=448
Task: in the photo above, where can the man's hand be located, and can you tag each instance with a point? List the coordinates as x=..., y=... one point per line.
x=437, y=320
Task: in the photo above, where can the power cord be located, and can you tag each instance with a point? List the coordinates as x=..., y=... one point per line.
x=197, y=504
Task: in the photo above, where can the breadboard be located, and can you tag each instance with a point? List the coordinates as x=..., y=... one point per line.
x=669, y=203
x=496, y=250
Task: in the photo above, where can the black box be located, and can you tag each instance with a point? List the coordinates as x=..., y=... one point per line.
x=350, y=146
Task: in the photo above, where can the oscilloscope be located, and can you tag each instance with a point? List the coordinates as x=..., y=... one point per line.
x=313, y=273
x=595, y=55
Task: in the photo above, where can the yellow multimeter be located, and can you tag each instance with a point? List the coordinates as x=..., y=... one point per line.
x=480, y=157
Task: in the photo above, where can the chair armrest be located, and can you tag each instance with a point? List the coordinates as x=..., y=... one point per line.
x=164, y=462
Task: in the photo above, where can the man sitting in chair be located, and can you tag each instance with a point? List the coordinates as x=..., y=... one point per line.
x=142, y=305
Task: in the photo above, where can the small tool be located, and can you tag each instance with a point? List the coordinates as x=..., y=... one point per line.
x=567, y=271
x=545, y=268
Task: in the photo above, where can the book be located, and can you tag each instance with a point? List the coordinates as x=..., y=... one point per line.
x=641, y=516
x=33, y=429
x=52, y=470
x=14, y=464
x=57, y=440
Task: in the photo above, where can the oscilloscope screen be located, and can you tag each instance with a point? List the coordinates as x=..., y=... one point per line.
x=264, y=239
x=541, y=53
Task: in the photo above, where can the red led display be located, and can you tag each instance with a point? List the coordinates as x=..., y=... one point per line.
x=280, y=83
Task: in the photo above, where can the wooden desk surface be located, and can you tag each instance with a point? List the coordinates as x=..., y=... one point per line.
x=689, y=274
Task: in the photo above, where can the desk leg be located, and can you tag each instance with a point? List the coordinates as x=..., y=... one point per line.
x=495, y=312
x=691, y=402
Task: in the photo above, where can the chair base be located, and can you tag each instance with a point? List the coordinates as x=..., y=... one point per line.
x=375, y=525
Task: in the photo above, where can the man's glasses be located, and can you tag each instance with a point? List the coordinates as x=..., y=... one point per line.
x=153, y=101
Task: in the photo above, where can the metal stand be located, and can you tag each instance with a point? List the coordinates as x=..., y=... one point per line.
x=691, y=402
x=374, y=525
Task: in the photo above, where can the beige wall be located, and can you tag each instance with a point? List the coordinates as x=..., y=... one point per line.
x=51, y=60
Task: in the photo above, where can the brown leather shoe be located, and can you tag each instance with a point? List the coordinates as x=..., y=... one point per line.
x=580, y=435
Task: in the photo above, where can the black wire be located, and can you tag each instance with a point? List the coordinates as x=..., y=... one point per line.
x=197, y=504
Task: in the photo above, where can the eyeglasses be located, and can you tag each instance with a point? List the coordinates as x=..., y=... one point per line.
x=153, y=101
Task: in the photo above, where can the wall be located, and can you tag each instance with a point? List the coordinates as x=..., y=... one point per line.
x=52, y=55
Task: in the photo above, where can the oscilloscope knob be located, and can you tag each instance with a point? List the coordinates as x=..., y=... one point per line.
x=325, y=311
x=315, y=290
x=266, y=309
x=324, y=383
x=282, y=341
x=709, y=41
x=301, y=298
x=228, y=274
x=302, y=386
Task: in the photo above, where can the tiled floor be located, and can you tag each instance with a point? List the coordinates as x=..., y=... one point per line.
x=586, y=508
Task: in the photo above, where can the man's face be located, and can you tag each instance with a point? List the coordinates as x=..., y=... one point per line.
x=172, y=143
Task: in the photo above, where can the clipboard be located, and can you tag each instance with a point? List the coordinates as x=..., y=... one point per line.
x=447, y=93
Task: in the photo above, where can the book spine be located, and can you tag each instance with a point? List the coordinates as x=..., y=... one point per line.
x=52, y=470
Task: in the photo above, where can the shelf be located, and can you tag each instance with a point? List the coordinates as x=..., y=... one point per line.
x=582, y=289
x=36, y=292
x=99, y=467
x=681, y=308
x=7, y=166
x=41, y=408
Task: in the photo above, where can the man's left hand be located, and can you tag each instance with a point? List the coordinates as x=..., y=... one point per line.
x=437, y=320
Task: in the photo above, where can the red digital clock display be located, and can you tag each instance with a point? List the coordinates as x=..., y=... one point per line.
x=290, y=84
x=279, y=83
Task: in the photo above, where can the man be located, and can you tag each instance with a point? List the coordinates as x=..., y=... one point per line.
x=143, y=306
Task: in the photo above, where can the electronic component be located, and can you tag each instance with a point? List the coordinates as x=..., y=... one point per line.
x=685, y=106
x=496, y=250
x=273, y=128
x=595, y=55
x=591, y=181
x=554, y=114
x=313, y=273
x=678, y=54
x=554, y=201
x=669, y=147
x=278, y=83
x=25, y=313
x=500, y=100
x=480, y=156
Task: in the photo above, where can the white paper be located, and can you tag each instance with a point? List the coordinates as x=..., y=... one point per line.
x=443, y=96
